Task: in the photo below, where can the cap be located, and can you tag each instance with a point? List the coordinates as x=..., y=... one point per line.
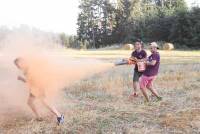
x=154, y=44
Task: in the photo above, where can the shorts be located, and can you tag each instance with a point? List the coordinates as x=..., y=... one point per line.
x=136, y=76
x=146, y=81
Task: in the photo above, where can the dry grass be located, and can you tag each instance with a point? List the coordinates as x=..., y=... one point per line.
x=100, y=104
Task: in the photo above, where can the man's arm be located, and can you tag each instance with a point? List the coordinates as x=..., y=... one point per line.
x=151, y=63
x=155, y=59
x=21, y=79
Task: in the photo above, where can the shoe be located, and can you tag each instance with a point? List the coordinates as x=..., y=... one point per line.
x=133, y=95
x=146, y=102
x=39, y=119
x=60, y=120
x=159, y=98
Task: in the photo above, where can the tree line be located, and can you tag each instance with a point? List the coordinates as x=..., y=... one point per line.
x=106, y=22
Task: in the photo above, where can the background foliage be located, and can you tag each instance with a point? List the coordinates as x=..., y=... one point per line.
x=103, y=22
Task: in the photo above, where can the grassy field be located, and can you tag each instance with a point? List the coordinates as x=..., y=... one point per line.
x=100, y=104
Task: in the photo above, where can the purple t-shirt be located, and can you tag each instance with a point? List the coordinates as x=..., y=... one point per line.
x=153, y=70
x=139, y=55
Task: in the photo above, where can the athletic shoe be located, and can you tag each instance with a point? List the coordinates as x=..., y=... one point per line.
x=60, y=119
x=39, y=119
x=133, y=95
x=159, y=98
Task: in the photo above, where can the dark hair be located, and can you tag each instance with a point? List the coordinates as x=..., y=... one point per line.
x=17, y=60
x=141, y=42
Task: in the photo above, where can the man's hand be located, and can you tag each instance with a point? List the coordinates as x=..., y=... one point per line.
x=21, y=79
x=132, y=60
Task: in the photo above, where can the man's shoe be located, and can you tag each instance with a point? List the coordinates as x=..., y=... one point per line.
x=60, y=120
x=159, y=98
x=133, y=95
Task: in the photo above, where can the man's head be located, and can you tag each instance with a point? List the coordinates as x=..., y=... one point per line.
x=138, y=44
x=20, y=63
x=154, y=47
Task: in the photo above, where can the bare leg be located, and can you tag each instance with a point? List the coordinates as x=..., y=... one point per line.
x=50, y=107
x=135, y=86
x=134, y=94
x=32, y=106
x=60, y=118
x=153, y=91
x=145, y=94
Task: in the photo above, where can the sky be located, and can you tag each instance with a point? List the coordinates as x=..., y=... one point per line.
x=48, y=15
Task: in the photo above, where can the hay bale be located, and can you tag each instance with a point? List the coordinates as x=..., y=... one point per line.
x=128, y=47
x=168, y=46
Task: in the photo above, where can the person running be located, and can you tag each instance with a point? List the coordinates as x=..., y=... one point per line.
x=149, y=75
x=139, y=54
x=35, y=93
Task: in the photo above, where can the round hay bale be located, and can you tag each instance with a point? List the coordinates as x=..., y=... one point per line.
x=168, y=46
x=128, y=47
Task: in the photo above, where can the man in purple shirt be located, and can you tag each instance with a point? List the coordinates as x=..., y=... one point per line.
x=138, y=54
x=149, y=75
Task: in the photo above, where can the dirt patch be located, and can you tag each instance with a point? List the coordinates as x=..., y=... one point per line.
x=181, y=120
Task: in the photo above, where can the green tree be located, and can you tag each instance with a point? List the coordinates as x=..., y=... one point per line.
x=95, y=22
x=153, y=19
x=122, y=19
x=69, y=41
x=186, y=28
